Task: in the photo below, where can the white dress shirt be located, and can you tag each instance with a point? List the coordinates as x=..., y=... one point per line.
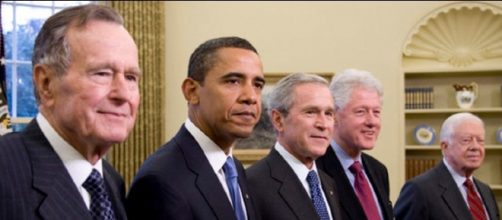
x=216, y=157
x=346, y=162
x=301, y=172
x=76, y=165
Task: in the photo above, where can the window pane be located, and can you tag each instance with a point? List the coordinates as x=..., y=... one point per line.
x=7, y=19
x=26, y=103
x=39, y=3
x=27, y=29
x=8, y=78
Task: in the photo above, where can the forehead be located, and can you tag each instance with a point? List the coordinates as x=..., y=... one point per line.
x=361, y=96
x=312, y=94
x=469, y=127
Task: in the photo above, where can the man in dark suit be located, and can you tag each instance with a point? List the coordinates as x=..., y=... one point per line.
x=189, y=178
x=287, y=184
x=449, y=190
x=362, y=181
x=86, y=85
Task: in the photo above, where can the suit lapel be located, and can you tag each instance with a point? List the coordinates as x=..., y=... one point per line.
x=207, y=182
x=450, y=193
x=378, y=186
x=350, y=205
x=116, y=189
x=291, y=189
x=244, y=189
x=59, y=197
x=328, y=186
x=487, y=199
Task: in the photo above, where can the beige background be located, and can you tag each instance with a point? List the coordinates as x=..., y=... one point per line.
x=309, y=37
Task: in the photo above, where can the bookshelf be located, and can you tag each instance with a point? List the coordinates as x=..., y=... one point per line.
x=443, y=50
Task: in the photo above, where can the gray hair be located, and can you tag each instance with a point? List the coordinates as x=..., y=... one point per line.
x=282, y=96
x=449, y=125
x=345, y=81
x=51, y=45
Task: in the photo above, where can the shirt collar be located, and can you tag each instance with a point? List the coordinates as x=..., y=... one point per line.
x=76, y=165
x=459, y=179
x=344, y=158
x=214, y=154
x=298, y=167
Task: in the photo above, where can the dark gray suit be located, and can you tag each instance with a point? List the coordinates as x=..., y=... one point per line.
x=177, y=182
x=35, y=184
x=377, y=175
x=279, y=194
x=434, y=195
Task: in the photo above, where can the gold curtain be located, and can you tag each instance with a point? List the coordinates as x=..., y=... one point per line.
x=145, y=22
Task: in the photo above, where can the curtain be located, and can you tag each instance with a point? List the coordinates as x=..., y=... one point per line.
x=145, y=21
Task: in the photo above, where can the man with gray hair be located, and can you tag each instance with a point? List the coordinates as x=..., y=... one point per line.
x=362, y=181
x=287, y=184
x=449, y=190
x=86, y=79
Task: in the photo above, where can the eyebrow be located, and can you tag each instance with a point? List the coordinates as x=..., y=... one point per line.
x=99, y=66
x=242, y=76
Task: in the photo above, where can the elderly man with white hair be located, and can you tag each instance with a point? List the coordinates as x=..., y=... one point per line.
x=449, y=190
x=361, y=180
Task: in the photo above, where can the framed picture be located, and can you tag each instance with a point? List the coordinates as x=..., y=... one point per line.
x=256, y=146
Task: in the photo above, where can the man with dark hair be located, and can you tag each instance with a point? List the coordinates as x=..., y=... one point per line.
x=194, y=175
x=85, y=75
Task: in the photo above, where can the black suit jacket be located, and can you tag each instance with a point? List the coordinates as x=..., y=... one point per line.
x=435, y=195
x=377, y=175
x=279, y=194
x=178, y=183
x=36, y=185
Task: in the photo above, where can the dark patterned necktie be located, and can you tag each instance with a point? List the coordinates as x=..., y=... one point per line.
x=316, y=195
x=475, y=203
x=101, y=207
x=233, y=187
x=363, y=192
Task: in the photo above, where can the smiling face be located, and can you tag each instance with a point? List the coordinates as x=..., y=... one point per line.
x=94, y=104
x=465, y=150
x=358, y=124
x=227, y=104
x=307, y=128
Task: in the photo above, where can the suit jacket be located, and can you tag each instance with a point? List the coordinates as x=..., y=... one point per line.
x=435, y=195
x=36, y=185
x=377, y=175
x=279, y=194
x=178, y=183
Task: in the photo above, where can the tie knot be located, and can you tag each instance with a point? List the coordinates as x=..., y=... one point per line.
x=229, y=168
x=356, y=167
x=312, y=178
x=468, y=183
x=94, y=183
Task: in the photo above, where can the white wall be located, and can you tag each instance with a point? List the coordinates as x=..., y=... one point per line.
x=305, y=36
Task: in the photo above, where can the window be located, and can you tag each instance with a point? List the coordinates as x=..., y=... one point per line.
x=21, y=21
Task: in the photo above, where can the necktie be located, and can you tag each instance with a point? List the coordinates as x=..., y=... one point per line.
x=363, y=192
x=233, y=186
x=101, y=207
x=475, y=203
x=316, y=195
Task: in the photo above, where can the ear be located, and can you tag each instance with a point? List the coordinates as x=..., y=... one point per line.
x=43, y=76
x=277, y=120
x=443, y=145
x=190, y=90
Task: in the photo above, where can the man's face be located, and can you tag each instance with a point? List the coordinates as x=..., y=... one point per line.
x=358, y=124
x=229, y=99
x=307, y=129
x=96, y=101
x=466, y=150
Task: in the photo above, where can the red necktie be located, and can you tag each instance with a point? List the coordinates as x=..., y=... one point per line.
x=475, y=203
x=363, y=192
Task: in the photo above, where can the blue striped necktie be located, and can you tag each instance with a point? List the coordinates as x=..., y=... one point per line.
x=233, y=187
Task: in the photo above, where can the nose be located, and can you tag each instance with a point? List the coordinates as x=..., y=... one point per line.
x=249, y=94
x=371, y=119
x=120, y=88
x=324, y=121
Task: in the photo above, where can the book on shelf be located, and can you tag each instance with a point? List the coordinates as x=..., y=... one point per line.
x=416, y=166
x=419, y=97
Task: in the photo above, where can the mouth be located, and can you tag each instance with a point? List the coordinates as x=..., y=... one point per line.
x=246, y=114
x=322, y=137
x=113, y=114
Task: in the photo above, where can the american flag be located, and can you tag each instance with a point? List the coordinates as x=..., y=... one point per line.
x=5, y=125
